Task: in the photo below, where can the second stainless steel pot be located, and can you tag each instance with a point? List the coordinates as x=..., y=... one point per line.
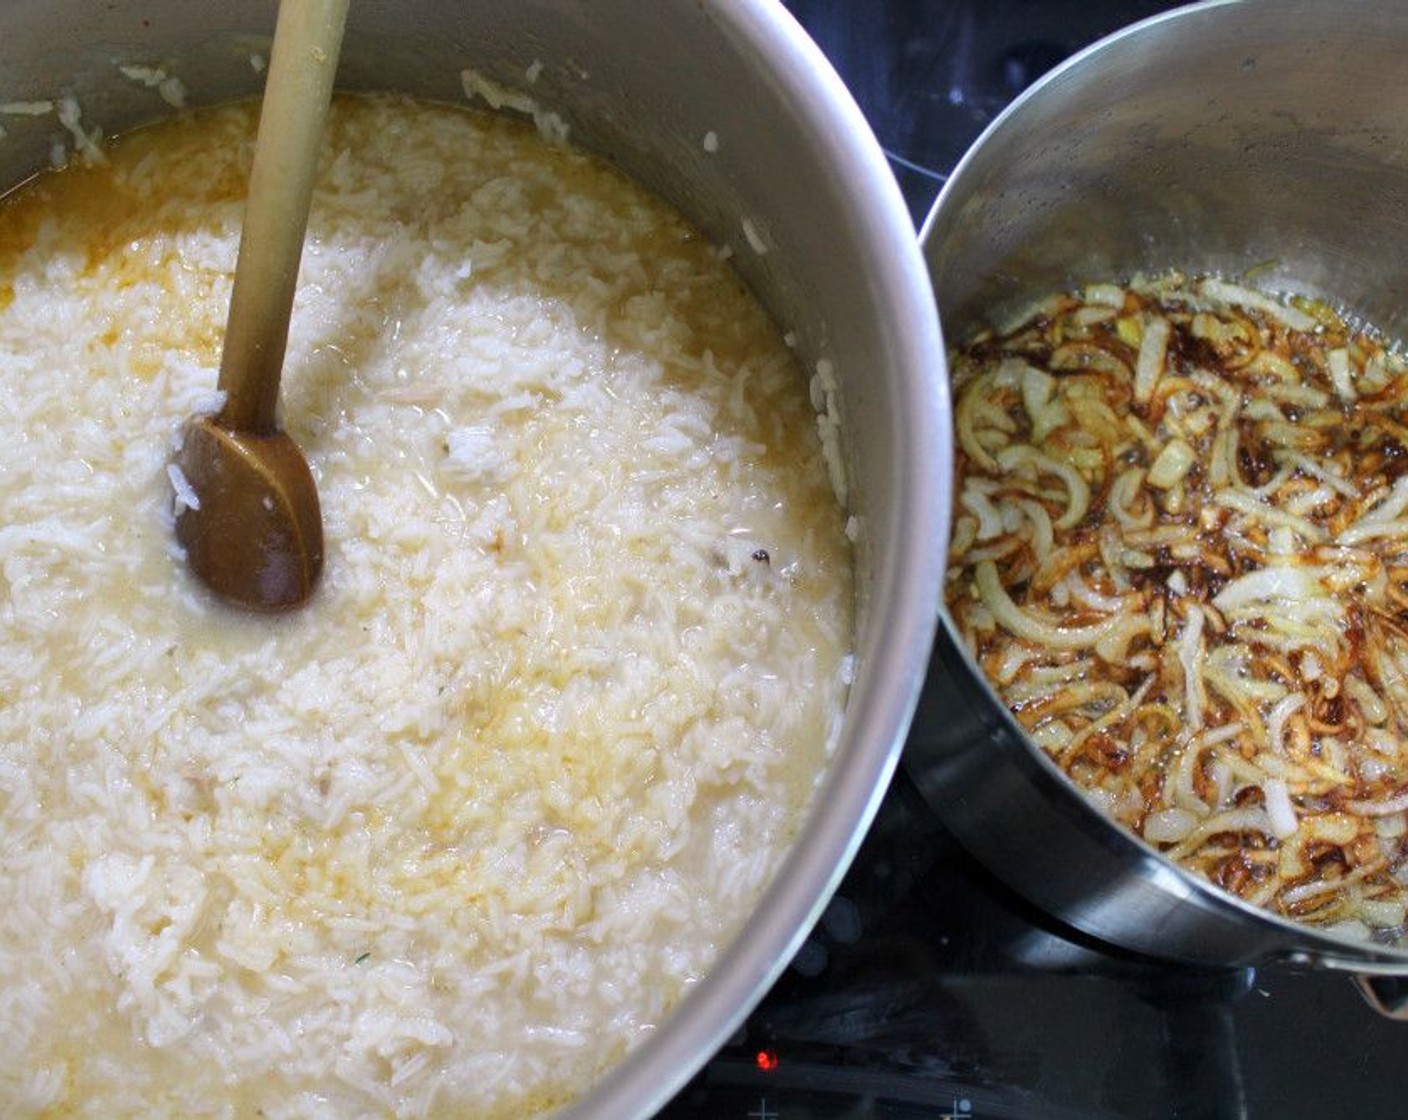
x=1224, y=137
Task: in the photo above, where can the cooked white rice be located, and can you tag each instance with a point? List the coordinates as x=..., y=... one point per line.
x=453, y=838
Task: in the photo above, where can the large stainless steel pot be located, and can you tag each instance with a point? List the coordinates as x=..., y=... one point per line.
x=646, y=83
x=1220, y=137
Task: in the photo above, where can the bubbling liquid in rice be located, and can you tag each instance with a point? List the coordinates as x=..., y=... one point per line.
x=1181, y=557
x=455, y=837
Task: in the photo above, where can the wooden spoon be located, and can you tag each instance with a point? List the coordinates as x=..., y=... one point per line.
x=252, y=526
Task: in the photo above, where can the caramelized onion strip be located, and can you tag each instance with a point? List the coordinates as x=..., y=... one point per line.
x=1051, y=635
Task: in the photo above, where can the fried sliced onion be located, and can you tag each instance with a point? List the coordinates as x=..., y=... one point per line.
x=1186, y=564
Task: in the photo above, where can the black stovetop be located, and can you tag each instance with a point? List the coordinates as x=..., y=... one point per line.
x=928, y=990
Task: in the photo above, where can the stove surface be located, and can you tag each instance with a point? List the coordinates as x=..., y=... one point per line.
x=928, y=990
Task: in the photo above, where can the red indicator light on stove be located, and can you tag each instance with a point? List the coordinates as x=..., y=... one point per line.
x=766, y=1060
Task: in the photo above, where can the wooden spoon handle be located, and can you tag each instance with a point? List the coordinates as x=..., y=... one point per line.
x=302, y=66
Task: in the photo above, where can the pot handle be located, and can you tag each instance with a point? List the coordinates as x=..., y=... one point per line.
x=1383, y=984
x=1388, y=995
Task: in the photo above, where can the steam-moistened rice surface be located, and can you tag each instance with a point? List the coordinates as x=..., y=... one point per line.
x=1181, y=557
x=453, y=838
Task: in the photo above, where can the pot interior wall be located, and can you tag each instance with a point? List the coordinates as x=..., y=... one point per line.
x=1248, y=137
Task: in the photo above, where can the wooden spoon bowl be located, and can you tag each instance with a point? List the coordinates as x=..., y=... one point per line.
x=248, y=514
